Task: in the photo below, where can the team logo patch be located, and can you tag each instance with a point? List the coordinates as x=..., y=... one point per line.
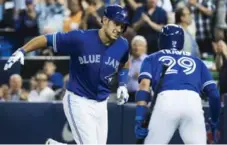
x=174, y=44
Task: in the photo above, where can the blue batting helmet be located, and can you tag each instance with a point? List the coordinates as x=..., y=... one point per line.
x=171, y=37
x=117, y=13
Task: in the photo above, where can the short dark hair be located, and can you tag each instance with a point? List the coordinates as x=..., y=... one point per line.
x=178, y=14
x=39, y=73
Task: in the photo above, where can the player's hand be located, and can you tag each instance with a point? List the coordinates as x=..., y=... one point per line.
x=122, y=95
x=140, y=132
x=17, y=56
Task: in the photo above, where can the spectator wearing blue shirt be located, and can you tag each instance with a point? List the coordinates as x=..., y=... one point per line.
x=132, y=5
x=148, y=22
x=26, y=24
x=55, y=78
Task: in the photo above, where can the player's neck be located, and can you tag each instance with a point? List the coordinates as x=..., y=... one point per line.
x=105, y=40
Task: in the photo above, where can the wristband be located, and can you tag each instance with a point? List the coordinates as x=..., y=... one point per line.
x=123, y=77
x=141, y=112
x=22, y=50
x=142, y=95
x=49, y=38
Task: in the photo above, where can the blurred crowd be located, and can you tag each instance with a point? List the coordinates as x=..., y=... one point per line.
x=203, y=21
x=45, y=85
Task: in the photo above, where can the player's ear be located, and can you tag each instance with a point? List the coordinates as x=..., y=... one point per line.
x=104, y=20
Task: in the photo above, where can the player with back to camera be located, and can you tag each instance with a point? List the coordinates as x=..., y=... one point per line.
x=95, y=57
x=178, y=104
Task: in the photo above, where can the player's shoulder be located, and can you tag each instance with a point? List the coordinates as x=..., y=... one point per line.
x=200, y=64
x=89, y=31
x=155, y=54
x=123, y=41
x=83, y=32
x=72, y=33
x=85, y=35
x=152, y=56
x=197, y=60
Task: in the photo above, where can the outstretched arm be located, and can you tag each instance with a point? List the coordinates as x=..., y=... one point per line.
x=35, y=44
x=61, y=42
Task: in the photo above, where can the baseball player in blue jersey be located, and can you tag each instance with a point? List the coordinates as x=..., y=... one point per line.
x=178, y=104
x=95, y=57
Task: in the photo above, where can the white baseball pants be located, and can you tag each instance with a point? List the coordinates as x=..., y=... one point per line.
x=177, y=110
x=87, y=119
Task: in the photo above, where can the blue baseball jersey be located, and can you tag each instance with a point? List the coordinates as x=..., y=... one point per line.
x=92, y=64
x=185, y=72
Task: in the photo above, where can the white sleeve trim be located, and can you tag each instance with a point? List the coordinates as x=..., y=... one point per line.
x=146, y=74
x=208, y=83
x=54, y=42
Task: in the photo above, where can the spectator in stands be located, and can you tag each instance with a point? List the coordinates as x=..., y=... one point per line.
x=139, y=48
x=1, y=9
x=46, y=52
x=50, y=16
x=221, y=14
x=132, y=5
x=74, y=20
x=26, y=24
x=192, y=27
x=129, y=34
x=55, y=78
x=93, y=14
x=32, y=84
x=183, y=18
x=8, y=10
x=203, y=11
x=15, y=87
x=148, y=22
x=7, y=27
x=1, y=95
x=5, y=90
x=220, y=49
x=19, y=5
x=178, y=3
x=220, y=20
x=42, y=93
x=167, y=6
